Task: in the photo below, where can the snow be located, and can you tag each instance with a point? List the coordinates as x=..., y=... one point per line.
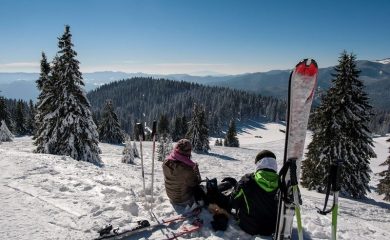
x=45, y=196
x=384, y=61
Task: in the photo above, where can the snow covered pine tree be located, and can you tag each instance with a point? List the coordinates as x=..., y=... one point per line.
x=20, y=128
x=109, y=128
x=5, y=133
x=384, y=183
x=198, y=132
x=231, y=139
x=341, y=133
x=4, y=114
x=128, y=153
x=135, y=150
x=45, y=107
x=164, y=147
x=68, y=128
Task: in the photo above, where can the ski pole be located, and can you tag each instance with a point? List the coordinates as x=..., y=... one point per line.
x=141, y=135
x=334, y=185
x=153, y=153
x=336, y=189
x=295, y=189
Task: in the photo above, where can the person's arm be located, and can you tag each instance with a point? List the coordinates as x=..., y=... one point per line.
x=238, y=197
x=197, y=177
x=192, y=176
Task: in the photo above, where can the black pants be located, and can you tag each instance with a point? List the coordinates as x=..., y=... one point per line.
x=214, y=193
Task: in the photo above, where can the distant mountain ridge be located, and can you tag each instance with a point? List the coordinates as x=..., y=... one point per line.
x=384, y=61
x=274, y=83
x=375, y=74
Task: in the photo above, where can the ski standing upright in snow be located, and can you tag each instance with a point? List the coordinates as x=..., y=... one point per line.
x=302, y=85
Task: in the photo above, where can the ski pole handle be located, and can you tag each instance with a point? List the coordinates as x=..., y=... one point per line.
x=336, y=174
x=154, y=130
x=141, y=132
x=293, y=171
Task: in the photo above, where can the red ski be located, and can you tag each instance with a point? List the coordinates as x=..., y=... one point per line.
x=302, y=85
x=111, y=233
x=186, y=229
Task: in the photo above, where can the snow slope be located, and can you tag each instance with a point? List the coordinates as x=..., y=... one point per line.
x=54, y=197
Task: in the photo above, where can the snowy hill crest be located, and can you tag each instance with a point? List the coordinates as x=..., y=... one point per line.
x=384, y=61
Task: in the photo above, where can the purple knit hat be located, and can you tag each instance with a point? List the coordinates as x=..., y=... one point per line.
x=184, y=147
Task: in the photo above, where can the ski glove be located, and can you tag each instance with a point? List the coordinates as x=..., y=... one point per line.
x=220, y=217
x=232, y=181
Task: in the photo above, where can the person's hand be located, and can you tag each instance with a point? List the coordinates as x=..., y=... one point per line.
x=230, y=180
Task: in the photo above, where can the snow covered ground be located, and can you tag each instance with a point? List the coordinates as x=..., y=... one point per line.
x=54, y=197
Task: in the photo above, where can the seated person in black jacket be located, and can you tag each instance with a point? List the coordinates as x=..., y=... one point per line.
x=254, y=198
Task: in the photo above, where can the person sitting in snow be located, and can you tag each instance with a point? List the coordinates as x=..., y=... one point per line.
x=254, y=198
x=181, y=174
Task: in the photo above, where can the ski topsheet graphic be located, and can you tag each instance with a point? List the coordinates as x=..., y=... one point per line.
x=111, y=233
x=302, y=85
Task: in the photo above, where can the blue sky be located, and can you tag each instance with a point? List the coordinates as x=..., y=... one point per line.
x=189, y=36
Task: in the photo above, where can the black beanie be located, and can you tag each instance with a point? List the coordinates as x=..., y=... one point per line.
x=263, y=154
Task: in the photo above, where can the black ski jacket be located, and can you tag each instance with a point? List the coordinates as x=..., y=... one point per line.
x=255, y=201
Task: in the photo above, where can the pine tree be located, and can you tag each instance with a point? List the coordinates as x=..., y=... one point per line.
x=109, y=127
x=340, y=133
x=198, y=130
x=135, y=131
x=231, y=139
x=5, y=133
x=20, y=119
x=384, y=183
x=73, y=131
x=45, y=71
x=177, y=129
x=184, y=127
x=135, y=150
x=163, y=125
x=4, y=114
x=30, y=122
x=164, y=147
x=44, y=117
x=128, y=153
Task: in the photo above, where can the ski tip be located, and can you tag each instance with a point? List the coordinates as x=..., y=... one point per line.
x=307, y=67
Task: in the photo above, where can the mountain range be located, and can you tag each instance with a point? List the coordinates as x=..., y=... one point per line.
x=375, y=75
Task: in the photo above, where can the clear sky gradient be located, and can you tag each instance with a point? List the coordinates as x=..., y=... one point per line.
x=190, y=36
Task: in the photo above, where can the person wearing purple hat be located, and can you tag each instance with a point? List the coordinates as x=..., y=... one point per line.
x=181, y=174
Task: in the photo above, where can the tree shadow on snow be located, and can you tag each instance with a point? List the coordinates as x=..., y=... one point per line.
x=250, y=125
x=224, y=157
x=370, y=201
x=374, y=203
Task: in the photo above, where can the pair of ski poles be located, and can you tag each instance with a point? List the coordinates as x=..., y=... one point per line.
x=333, y=185
x=141, y=134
